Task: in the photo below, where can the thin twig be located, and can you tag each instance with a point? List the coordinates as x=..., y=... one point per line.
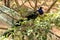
x=4, y=28
x=51, y=6
x=35, y=5
x=54, y=34
x=23, y=3
x=16, y=1
x=30, y=4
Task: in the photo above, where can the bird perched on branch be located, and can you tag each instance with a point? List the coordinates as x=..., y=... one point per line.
x=33, y=16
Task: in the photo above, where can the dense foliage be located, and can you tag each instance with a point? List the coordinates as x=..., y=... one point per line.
x=37, y=29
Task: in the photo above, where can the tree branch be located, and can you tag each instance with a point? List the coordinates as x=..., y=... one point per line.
x=30, y=4
x=16, y=1
x=51, y=6
x=4, y=28
x=9, y=15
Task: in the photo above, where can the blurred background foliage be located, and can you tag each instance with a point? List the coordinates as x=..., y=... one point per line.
x=39, y=28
